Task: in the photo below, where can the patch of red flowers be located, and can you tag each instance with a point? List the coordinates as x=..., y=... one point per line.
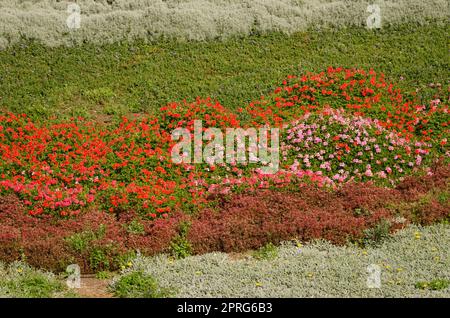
x=62, y=167
x=357, y=92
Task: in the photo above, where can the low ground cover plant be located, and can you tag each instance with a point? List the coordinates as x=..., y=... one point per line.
x=20, y=280
x=138, y=285
x=195, y=19
x=413, y=263
x=436, y=284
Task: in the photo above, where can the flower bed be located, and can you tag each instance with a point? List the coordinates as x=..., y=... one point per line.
x=338, y=127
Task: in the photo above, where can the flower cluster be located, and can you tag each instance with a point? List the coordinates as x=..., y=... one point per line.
x=359, y=93
x=346, y=148
x=337, y=126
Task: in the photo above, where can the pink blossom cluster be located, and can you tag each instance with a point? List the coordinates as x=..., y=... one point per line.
x=346, y=148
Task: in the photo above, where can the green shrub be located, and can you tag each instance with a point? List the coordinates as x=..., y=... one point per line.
x=135, y=227
x=138, y=285
x=36, y=285
x=180, y=246
x=99, y=95
x=377, y=234
x=267, y=252
x=20, y=280
x=98, y=259
x=80, y=241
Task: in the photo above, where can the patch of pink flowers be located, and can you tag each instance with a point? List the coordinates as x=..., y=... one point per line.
x=346, y=148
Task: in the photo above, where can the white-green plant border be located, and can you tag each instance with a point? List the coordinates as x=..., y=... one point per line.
x=110, y=21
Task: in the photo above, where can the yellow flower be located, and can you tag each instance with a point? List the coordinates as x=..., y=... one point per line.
x=364, y=252
x=258, y=284
x=417, y=235
x=198, y=273
x=310, y=275
x=129, y=264
x=122, y=267
x=399, y=269
x=20, y=270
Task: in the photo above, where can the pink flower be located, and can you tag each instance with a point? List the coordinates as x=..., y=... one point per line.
x=418, y=160
x=382, y=175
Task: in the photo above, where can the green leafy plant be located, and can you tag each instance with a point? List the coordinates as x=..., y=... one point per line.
x=437, y=284
x=135, y=227
x=103, y=275
x=80, y=241
x=138, y=285
x=267, y=252
x=180, y=246
x=377, y=234
x=35, y=285
x=361, y=212
x=98, y=259
x=20, y=280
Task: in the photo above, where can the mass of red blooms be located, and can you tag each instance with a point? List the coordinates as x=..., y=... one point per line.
x=359, y=92
x=58, y=172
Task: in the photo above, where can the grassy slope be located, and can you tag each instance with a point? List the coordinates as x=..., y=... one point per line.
x=119, y=79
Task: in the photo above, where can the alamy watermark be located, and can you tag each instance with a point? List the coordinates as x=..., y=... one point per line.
x=232, y=149
x=373, y=21
x=374, y=277
x=74, y=278
x=73, y=21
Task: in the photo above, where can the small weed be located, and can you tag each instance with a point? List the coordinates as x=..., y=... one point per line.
x=443, y=197
x=267, y=252
x=361, y=212
x=99, y=95
x=377, y=234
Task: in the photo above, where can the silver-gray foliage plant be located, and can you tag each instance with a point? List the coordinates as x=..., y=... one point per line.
x=107, y=21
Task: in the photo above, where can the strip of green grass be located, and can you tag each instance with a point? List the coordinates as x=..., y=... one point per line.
x=126, y=78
